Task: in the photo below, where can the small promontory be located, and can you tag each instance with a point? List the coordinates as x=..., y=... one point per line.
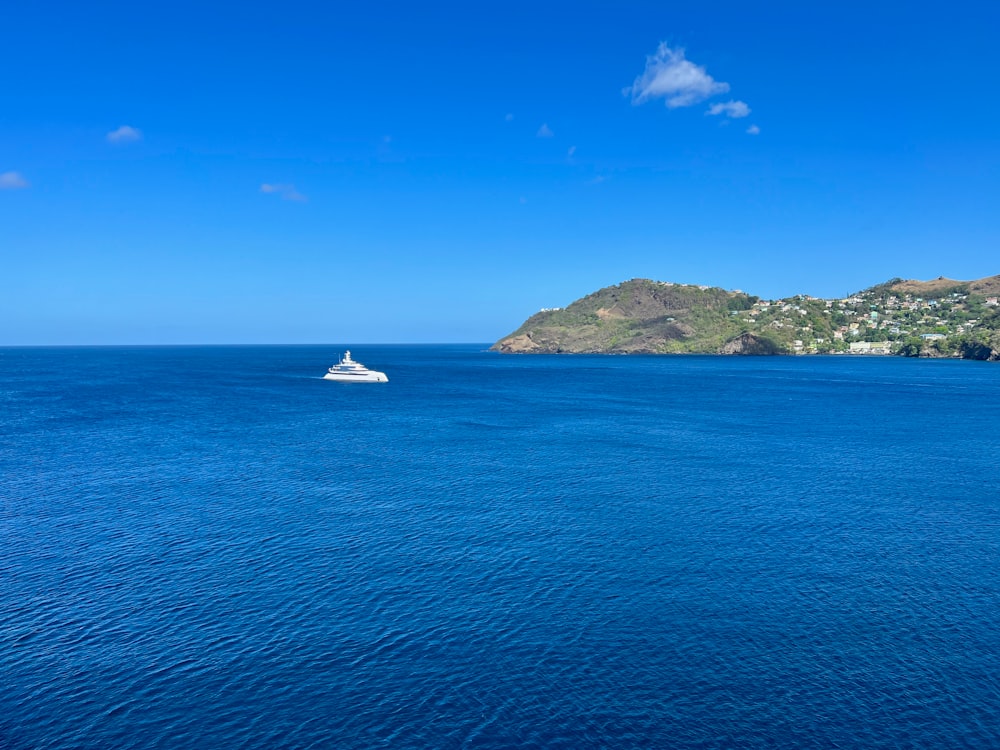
x=641, y=317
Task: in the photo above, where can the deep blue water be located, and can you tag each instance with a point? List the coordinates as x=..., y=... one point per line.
x=214, y=548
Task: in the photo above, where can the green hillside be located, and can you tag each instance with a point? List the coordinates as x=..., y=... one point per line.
x=936, y=318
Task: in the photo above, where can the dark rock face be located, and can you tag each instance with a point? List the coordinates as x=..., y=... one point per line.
x=750, y=345
x=976, y=350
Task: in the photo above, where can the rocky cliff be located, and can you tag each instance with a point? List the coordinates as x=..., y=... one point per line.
x=749, y=344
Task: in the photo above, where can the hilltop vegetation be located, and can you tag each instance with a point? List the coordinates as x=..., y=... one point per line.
x=942, y=317
x=635, y=316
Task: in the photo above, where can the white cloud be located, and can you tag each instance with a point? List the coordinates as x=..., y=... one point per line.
x=732, y=108
x=12, y=181
x=753, y=130
x=597, y=180
x=545, y=131
x=508, y=117
x=124, y=134
x=571, y=151
x=670, y=76
x=286, y=191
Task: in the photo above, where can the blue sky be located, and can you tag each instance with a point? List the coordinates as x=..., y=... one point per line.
x=431, y=172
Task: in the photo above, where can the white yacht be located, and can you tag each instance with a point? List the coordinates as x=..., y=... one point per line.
x=349, y=371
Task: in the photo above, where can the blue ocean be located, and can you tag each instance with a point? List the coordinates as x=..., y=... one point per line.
x=213, y=547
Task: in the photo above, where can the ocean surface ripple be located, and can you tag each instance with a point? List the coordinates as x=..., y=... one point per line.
x=212, y=547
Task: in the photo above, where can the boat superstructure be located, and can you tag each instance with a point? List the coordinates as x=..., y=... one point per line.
x=349, y=371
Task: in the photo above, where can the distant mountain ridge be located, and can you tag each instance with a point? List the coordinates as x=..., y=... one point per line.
x=988, y=286
x=942, y=317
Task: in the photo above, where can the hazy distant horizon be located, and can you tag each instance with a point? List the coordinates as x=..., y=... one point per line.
x=84, y=341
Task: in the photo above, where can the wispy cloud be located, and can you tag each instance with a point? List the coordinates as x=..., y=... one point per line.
x=545, y=131
x=674, y=78
x=508, y=117
x=12, y=181
x=597, y=180
x=753, y=130
x=286, y=191
x=570, y=151
x=732, y=108
x=124, y=134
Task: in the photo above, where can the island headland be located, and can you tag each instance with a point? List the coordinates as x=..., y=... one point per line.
x=938, y=318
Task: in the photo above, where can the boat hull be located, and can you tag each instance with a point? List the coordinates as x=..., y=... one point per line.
x=368, y=377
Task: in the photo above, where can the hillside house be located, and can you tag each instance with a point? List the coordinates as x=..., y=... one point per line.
x=870, y=347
